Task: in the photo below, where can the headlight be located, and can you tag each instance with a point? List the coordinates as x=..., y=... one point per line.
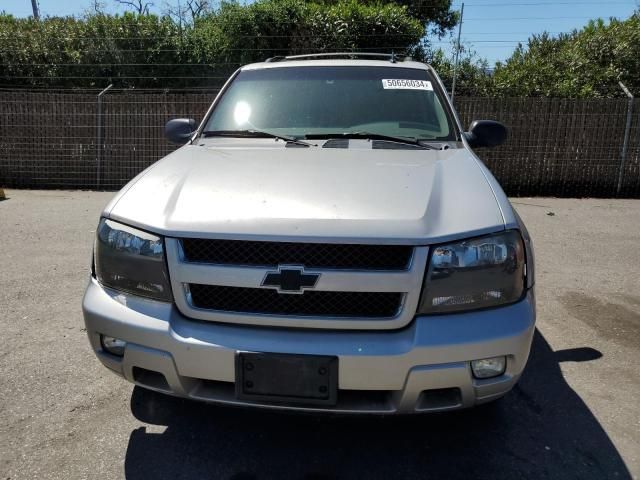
x=131, y=260
x=477, y=273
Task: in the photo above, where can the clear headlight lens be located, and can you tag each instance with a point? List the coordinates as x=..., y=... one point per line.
x=476, y=273
x=131, y=260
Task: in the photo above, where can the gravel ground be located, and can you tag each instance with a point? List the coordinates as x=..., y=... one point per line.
x=575, y=413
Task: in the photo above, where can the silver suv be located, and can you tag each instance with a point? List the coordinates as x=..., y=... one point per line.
x=325, y=240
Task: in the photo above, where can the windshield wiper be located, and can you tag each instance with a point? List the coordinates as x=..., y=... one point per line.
x=252, y=134
x=371, y=136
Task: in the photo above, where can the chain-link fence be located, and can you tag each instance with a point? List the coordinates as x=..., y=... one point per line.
x=62, y=139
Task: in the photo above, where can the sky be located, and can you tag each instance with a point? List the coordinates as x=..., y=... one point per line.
x=492, y=28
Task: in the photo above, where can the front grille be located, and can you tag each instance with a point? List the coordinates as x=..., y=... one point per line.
x=309, y=303
x=311, y=255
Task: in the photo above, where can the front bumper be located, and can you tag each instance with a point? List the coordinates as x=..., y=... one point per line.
x=423, y=367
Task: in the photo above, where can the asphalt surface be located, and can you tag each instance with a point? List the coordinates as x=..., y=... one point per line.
x=575, y=413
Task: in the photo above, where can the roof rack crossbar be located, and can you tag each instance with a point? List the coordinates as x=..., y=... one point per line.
x=393, y=57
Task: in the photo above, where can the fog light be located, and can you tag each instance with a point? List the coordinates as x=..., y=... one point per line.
x=489, y=367
x=114, y=346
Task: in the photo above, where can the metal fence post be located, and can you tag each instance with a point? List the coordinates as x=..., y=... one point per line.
x=99, y=135
x=627, y=131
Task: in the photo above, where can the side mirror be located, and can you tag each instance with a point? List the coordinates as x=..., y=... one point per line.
x=179, y=130
x=486, y=133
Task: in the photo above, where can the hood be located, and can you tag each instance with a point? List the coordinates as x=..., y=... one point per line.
x=312, y=194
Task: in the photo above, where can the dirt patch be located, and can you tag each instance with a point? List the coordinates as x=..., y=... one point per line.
x=614, y=321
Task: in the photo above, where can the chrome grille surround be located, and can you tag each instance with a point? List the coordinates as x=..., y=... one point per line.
x=407, y=282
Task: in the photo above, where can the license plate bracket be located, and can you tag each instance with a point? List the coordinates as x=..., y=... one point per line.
x=287, y=378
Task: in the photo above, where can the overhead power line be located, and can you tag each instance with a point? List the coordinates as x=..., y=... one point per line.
x=531, y=18
x=518, y=4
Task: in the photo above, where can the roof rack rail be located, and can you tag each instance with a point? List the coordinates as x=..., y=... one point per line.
x=392, y=57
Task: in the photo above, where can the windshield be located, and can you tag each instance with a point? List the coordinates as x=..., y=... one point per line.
x=299, y=101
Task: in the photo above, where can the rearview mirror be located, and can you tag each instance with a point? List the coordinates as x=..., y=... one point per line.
x=486, y=133
x=180, y=130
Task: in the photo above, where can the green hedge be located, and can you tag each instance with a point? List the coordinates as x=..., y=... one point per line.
x=586, y=63
x=151, y=51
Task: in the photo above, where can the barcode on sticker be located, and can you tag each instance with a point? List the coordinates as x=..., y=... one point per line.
x=404, y=84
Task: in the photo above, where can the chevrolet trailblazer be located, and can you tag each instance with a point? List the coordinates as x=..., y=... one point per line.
x=324, y=240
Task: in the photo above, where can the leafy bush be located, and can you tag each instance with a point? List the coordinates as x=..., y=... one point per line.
x=584, y=63
x=436, y=15
x=150, y=51
x=472, y=74
x=126, y=50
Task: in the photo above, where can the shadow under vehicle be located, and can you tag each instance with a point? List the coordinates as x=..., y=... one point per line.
x=542, y=429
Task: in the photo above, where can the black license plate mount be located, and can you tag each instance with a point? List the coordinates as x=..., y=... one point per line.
x=287, y=378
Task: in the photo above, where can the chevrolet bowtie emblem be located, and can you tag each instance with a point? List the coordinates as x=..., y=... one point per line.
x=290, y=280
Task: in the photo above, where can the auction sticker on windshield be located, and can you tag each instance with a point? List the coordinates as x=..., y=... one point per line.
x=406, y=84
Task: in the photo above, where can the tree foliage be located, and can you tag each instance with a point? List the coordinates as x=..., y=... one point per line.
x=201, y=45
x=285, y=27
x=583, y=63
x=434, y=14
x=127, y=50
x=473, y=76
x=133, y=50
